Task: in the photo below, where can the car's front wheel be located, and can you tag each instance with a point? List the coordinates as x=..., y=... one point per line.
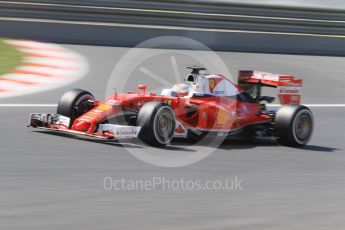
x=157, y=122
x=74, y=103
x=293, y=125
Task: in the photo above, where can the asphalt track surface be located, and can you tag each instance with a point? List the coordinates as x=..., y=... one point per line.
x=55, y=182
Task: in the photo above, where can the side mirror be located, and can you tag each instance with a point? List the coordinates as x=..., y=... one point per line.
x=142, y=87
x=267, y=99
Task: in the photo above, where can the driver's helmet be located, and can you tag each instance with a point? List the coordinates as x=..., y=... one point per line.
x=181, y=89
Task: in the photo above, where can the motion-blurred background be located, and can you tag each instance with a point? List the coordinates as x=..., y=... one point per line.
x=54, y=182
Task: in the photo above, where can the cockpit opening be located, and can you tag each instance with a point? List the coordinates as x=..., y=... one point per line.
x=191, y=78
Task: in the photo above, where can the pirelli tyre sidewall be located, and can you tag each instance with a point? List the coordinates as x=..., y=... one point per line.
x=70, y=100
x=157, y=122
x=293, y=125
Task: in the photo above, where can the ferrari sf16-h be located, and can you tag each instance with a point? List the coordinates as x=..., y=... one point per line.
x=203, y=104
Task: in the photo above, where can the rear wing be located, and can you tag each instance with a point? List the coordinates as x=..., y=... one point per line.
x=288, y=88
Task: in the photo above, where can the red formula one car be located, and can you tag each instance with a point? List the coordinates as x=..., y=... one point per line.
x=204, y=103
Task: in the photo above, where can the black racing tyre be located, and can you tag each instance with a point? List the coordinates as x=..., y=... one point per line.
x=157, y=122
x=293, y=125
x=71, y=103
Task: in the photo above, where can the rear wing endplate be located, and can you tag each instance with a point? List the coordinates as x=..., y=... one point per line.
x=289, y=89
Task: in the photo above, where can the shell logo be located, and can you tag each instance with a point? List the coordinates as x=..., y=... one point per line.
x=104, y=107
x=168, y=102
x=222, y=117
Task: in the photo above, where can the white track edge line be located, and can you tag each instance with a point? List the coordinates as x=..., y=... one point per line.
x=312, y=105
x=28, y=105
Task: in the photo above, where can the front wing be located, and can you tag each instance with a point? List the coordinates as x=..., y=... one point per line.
x=59, y=123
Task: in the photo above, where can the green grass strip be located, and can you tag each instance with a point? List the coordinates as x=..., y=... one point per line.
x=10, y=57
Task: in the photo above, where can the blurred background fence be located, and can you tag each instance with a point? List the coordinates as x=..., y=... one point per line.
x=215, y=23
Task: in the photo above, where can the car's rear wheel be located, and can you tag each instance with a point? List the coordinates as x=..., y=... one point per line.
x=293, y=125
x=74, y=103
x=157, y=122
